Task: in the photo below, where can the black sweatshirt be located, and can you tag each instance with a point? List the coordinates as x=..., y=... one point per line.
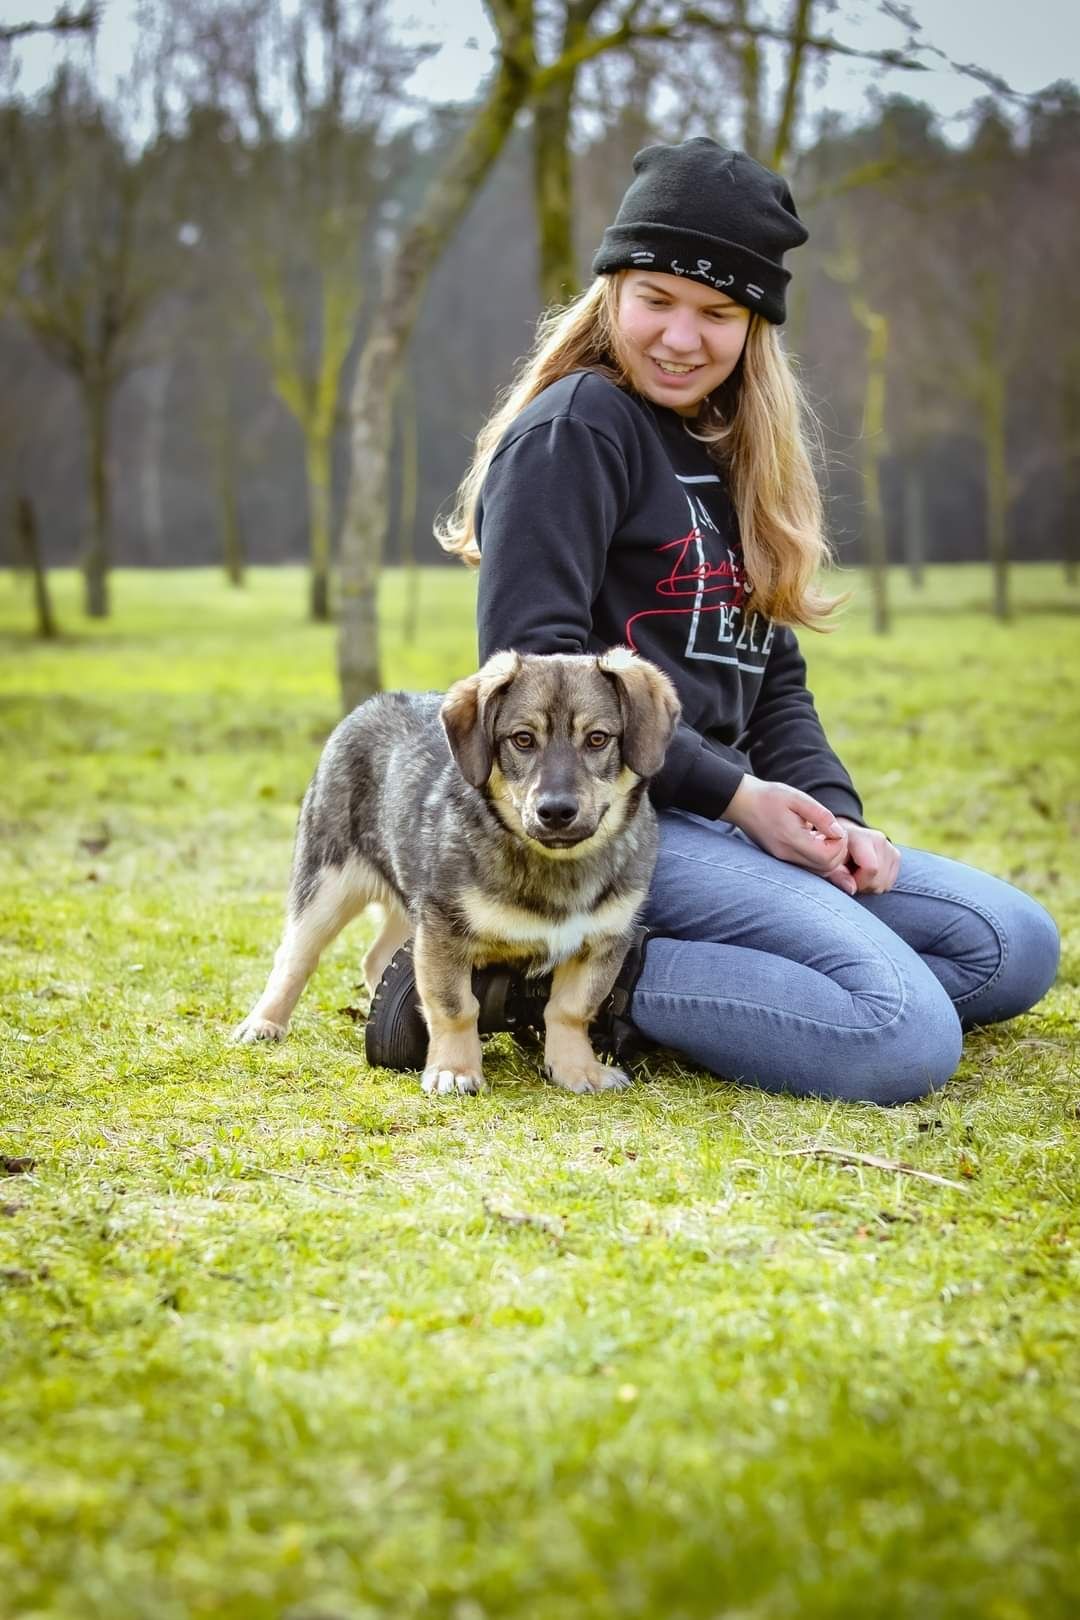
x=603, y=522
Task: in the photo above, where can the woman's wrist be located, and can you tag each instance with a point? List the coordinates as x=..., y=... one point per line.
x=741, y=800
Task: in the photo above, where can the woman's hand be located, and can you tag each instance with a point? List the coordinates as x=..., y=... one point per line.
x=873, y=862
x=795, y=828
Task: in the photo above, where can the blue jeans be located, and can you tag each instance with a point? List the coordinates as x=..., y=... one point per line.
x=768, y=974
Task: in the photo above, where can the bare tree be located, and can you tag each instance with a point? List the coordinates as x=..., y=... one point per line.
x=83, y=288
x=306, y=93
x=1054, y=154
x=994, y=343
x=382, y=356
x=856, y=186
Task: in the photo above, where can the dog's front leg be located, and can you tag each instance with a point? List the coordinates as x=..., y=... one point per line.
x=444, y=981
x=577, y=989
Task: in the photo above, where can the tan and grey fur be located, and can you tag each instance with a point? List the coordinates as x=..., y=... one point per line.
x=506, y=822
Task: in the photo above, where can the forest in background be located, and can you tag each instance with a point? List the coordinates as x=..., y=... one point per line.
x=182, y=312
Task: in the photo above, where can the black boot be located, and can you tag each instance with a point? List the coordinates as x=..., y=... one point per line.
x=396, y=1036
x=611, y=1032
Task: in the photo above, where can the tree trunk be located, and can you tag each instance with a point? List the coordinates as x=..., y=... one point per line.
x=217, y=428
x=1071, y=459
x=382, y=357
x=366, y=515
x=801, y=18
x=992, y=411
x=310, y=396
x=914, y=498
x=407, y=496
x=232, y=539
x=553, y=182
x=872, y=444
x=553, y=192
x=997, y=487
x=95, y=560
x=748, y=55
x=156, y=388
x=317, y=456
x=27, y=530
x=319, y=594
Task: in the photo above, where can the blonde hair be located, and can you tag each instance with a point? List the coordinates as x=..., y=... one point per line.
x=757, y=426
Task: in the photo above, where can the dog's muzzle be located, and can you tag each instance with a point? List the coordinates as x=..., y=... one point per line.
x=554, y=820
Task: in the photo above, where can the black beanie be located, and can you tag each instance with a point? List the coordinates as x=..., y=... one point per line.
x=717, y=216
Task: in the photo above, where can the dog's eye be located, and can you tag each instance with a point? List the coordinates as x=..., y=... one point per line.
x=523, y=740
x=597, y=739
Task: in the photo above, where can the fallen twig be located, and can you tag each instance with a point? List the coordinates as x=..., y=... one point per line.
x=550, y=1224
x=306, y=1181
x=846, y=1156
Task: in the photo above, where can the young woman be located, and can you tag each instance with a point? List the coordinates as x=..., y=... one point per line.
x=647, y=482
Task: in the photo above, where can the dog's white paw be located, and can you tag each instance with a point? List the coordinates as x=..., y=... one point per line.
x=583, y=1077
x=257, y=1029
x=444, y=1082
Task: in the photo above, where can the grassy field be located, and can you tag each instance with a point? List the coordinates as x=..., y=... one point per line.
x=281, y=1337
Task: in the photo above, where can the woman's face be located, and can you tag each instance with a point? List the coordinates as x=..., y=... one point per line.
x=680, y=338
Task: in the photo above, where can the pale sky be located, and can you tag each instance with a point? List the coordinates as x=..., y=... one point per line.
x=1030, y=45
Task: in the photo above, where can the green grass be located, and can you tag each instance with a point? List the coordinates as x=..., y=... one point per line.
x=269, y=1344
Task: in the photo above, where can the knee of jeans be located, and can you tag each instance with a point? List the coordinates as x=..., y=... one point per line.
x=1034, y=953
x=1030, y=952
x=920, y=1052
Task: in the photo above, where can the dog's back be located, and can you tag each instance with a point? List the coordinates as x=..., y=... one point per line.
x=381, y=766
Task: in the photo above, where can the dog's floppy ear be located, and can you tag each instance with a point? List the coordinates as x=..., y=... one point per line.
x=468, y=716
x=650, y=708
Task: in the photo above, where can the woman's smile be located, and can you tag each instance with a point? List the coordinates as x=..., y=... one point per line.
x=672, y=371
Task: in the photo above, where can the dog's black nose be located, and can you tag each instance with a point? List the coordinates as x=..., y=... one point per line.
x=556, y=811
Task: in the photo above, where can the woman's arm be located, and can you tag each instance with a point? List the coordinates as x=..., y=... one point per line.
x=787, y=743
x=551, y=501
x=785, y=738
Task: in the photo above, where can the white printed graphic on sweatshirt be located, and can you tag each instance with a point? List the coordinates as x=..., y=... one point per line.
x=710, y=595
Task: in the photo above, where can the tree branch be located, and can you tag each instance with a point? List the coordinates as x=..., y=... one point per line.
x=64, y=22
x=692, y=22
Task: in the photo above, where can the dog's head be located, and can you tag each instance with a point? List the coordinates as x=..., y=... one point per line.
x=559, y=740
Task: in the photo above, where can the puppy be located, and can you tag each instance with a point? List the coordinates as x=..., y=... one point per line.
x=506, y=822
